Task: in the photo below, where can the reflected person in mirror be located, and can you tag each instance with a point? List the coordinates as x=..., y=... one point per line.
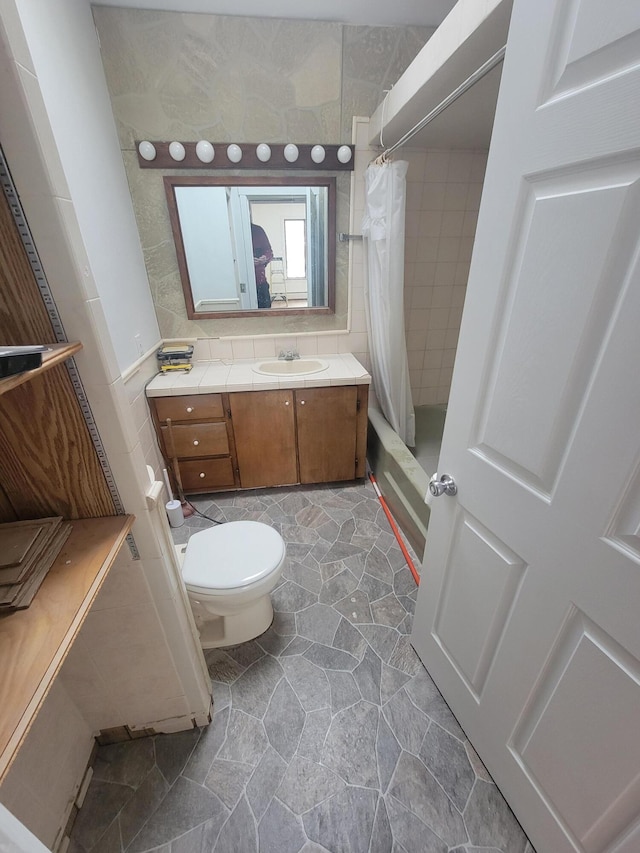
x=262, y=255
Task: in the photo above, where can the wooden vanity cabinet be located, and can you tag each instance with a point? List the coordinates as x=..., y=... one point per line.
x=195, y=431
x=252, y=439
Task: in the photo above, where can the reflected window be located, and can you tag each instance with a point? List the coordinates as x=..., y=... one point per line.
x=295, y=248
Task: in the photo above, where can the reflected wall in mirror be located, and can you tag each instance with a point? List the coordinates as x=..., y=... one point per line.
x=254, y=245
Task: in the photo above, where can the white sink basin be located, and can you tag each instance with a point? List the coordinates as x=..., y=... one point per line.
x=297, y=367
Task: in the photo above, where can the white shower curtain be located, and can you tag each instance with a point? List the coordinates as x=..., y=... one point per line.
x=383, y=230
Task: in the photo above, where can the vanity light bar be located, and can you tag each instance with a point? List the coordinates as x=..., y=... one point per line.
x=244, y=155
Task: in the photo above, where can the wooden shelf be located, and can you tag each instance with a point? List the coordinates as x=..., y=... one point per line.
x=56, y=354
x=34, y=642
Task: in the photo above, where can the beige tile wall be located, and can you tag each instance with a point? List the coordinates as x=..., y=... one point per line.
x=443, y=198
x=191, y=77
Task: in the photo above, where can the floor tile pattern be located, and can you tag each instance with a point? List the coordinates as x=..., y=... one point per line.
x=328, y=733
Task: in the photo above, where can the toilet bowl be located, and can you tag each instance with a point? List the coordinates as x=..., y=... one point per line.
x=228, y=572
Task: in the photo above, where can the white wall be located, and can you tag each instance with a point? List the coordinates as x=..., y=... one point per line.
x=65, y=57
x=43, y=781
x=272, y=218
x=204, y=223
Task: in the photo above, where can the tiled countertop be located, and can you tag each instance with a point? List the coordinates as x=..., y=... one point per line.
x=208, y=377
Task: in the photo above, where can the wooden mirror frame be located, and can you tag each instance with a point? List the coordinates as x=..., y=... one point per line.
x=171, y=181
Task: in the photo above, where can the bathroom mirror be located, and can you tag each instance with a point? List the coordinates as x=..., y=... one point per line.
x=254, y=246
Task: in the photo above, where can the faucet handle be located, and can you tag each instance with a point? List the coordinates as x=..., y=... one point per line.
x=289, y=355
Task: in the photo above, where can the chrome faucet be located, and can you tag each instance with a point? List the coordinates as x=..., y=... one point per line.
x=289, y=355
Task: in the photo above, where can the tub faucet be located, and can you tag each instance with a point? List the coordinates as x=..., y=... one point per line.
x=289, y=355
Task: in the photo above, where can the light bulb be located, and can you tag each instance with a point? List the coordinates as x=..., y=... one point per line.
x=205, y=151
x=344, y=154
x=176, y=150
x=263, y=152
x=291, y=152
x=234, y=153
x=317, y=154
x=147, y=150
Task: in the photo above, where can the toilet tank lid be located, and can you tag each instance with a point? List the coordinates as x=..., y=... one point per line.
x=232, y=555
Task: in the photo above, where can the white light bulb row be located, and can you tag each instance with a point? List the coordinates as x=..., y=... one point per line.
x=205, y=152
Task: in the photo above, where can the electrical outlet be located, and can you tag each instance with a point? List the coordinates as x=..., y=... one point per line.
x=138, y=341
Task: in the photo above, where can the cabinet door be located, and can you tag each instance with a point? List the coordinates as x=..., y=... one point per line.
x=327, y=420
x=264, y=430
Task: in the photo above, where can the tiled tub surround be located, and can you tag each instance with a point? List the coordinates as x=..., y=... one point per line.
x=221, y=376
x=443, y=198
x=328, y=734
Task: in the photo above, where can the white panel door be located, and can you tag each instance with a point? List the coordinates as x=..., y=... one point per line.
x=528, y=613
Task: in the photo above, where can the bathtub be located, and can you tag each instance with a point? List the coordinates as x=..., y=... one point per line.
x=403, y=481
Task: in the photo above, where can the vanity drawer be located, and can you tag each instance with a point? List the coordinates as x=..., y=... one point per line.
x=205, y=474
x=195, y=407
x=196, y=440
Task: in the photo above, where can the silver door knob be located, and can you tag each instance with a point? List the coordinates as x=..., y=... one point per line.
x=442, y=484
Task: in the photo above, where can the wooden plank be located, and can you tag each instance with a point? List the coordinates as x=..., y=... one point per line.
x=24, y=319
x=56, y=354
x=35, y=642
x=48, y=464
x=7, y=512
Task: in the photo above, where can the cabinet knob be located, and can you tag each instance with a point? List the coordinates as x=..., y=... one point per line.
x=286, y=402
x=202, y=475
x=189, y=409
x=196, y=443
x=302, y=402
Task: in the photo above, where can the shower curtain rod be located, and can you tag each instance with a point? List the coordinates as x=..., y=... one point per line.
x=478, y=74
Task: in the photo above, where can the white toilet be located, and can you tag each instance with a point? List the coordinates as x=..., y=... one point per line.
x=229, y=571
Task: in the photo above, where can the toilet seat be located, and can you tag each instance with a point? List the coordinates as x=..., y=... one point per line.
x=231, y=556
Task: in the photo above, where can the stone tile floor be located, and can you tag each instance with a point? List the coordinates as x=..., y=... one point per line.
x=328, y=733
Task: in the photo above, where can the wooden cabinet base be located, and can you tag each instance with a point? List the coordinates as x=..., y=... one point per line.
x=258, y=439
